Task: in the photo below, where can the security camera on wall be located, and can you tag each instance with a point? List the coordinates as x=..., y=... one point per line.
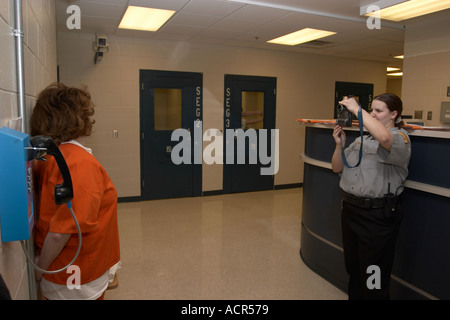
x=102, y=41
x=100, y=46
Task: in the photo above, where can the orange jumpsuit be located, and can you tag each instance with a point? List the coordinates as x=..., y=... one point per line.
x=95, y=206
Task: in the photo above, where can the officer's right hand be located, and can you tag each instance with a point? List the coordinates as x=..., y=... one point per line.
x=339, y=135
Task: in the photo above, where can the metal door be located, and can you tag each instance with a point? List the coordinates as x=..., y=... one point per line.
x=250, y=104
x=169, y=101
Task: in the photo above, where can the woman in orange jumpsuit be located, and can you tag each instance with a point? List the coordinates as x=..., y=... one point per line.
x=65, y=114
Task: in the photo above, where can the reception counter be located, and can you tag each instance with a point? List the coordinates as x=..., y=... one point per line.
x=422, y=261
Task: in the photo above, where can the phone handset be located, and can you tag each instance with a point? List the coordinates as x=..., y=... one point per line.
x=63, y=191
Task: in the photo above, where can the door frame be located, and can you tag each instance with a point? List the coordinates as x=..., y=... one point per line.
x=196, y=116
x=230, y=118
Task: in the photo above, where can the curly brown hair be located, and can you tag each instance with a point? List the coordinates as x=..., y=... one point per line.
x=63, y=113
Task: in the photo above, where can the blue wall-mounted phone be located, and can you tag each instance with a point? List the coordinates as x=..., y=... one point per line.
x=16, y=186
x=16, y=181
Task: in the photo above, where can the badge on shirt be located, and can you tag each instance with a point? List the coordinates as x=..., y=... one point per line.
x=404, y=137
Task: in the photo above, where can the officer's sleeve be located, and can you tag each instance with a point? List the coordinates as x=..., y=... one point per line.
x=400, y=150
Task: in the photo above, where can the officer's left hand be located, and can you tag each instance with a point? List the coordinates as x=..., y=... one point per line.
x=351, y=104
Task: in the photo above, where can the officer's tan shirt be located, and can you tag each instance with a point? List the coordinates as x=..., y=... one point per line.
x=378, y=167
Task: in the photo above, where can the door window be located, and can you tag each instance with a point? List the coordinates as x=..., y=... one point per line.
x=252, y=116
x=167, y=109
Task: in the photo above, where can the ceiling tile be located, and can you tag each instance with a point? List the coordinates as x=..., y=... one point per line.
x=301, y=20
x=212, y=7
x=219, y=33
x=269, y=31
x=260, y=14
x=160, y=4
x=237, y=25
x=196, y=20
x=180, y=29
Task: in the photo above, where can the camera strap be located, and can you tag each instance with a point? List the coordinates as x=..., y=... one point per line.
x=361, y=126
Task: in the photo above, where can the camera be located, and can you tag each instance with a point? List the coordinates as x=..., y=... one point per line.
x=344, y=117
x=100, y=46
x=102, y=41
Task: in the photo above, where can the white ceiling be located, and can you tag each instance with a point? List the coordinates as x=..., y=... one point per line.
x=249, y=23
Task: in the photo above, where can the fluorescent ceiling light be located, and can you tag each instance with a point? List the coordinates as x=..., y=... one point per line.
x=396, y=74
x=389, y=69
x=408, y=9
x=399, y=57
x=301, y=36
x=146, y=19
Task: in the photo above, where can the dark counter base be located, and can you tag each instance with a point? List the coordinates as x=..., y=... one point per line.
x=323, y=259
x=328, y=262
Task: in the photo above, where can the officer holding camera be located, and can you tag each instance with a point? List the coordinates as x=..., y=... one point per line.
x=371, y=206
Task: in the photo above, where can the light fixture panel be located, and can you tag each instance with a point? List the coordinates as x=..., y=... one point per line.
x=396, y=10
x=301, y=36
x=395, y=74
x=145, y=19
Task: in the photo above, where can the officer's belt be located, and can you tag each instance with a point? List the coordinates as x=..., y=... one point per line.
x=367, y=203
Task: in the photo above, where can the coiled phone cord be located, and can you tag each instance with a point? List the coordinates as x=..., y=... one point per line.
x=69, y=205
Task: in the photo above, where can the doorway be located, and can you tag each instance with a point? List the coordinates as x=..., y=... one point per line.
x=169, y=100
x=250, y=105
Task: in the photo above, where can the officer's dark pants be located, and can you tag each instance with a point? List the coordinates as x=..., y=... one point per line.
x=369, y=237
